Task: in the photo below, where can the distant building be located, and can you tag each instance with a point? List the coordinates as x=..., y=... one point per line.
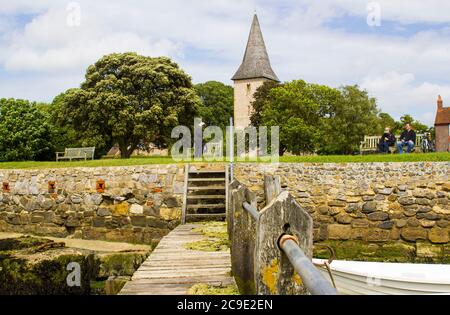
x=442, y=127
x=253, y=72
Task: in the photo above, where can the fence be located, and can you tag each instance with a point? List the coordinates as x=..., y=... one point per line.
x=271, y=249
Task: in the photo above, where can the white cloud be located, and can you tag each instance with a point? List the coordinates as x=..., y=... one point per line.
x=400, y=94
x=208, y=39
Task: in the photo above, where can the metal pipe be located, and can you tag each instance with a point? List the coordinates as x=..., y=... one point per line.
x=313, y=280
x=252, y=210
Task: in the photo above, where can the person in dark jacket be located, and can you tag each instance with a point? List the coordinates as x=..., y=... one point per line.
x=407, y=138
x=386, y=141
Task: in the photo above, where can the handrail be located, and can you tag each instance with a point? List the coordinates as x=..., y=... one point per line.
x=311, y=276
x=252, y=210
x=313, y=280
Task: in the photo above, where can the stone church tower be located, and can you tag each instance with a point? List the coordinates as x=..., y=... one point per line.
x=253, y=72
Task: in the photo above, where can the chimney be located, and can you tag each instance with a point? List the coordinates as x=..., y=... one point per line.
x=440, y=103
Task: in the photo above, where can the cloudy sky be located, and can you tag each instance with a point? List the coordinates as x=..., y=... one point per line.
x=403, y=61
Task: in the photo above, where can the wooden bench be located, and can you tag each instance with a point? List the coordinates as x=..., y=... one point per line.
x=76, y=154
x=370, y=144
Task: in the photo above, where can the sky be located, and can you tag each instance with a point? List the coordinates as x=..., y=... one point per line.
x=399, y=51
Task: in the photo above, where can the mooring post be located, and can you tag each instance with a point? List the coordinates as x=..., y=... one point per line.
x=243, y=240
x=274, y=273
x=230, y=209
x=272, y=187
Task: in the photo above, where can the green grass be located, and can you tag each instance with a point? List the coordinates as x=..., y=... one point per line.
x=415, y=157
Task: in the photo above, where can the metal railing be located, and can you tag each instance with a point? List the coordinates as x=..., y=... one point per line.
x=312, y=279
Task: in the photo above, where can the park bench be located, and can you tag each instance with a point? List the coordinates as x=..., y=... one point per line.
x=370, y=144
x=76, y=154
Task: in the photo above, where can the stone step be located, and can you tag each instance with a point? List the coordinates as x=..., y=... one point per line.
x=206, y=215
x=206, y=179
x=206, y=171
x=207, y=188
x=207, y=206
x=197, y=197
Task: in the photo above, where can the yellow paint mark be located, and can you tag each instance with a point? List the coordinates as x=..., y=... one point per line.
x=297, y=279
x=270, y=276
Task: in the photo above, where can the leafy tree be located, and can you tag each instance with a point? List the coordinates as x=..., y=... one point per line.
x=260, y=97
x=386, y=120
x=352, y=116
x=26, y=131
x=417, y=125
x=130, y=99
x=297, y=108
x=65, y=134
x=316, y=118
x=216, y=103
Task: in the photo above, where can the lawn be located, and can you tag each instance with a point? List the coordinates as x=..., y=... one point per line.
x=416, y=157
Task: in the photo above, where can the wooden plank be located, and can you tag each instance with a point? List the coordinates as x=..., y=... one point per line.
x=173, y=269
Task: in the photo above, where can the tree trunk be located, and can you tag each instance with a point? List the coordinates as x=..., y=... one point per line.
x=125, y=153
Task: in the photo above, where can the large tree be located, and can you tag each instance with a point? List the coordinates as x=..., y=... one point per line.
x=297, y=108
x=26, y=131
x=353, y=115
x=259, y=101
x=316, y=118
x=128, y=99
x=217, y=103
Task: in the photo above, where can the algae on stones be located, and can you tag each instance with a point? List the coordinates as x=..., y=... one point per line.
x=205, y=289
x=393, y=251
x=216, y=237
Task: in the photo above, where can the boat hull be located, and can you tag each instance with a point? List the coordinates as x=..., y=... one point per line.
x=373, y=278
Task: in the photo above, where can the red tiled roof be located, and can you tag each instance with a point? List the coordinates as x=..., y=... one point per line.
x=443, y=116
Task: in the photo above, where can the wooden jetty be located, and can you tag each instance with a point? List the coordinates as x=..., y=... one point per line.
x=171, y=269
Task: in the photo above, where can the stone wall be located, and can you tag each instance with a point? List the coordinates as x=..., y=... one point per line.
x=138, y=204
x=371, y=202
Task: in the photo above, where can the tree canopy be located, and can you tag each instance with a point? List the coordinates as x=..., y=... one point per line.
x=26, y=131
x=216, y=103
x=319, y=119
x=128, y=99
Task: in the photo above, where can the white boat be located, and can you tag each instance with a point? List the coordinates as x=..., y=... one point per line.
x=374, y=278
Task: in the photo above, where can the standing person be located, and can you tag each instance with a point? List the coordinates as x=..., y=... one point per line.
x=386, y=141
x=408, y=138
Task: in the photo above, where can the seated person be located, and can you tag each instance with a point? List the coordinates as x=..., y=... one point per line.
x=387, y=140
x=407, y=138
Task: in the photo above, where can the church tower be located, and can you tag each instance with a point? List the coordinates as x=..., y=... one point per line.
x=253, y=72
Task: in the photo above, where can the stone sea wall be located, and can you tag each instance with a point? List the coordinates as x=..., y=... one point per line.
x=133, y=204
x=370, y=202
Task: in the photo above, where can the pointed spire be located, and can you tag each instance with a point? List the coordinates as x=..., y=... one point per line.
x=256, y=63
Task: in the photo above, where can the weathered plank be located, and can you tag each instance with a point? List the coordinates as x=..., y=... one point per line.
x=172, y=269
